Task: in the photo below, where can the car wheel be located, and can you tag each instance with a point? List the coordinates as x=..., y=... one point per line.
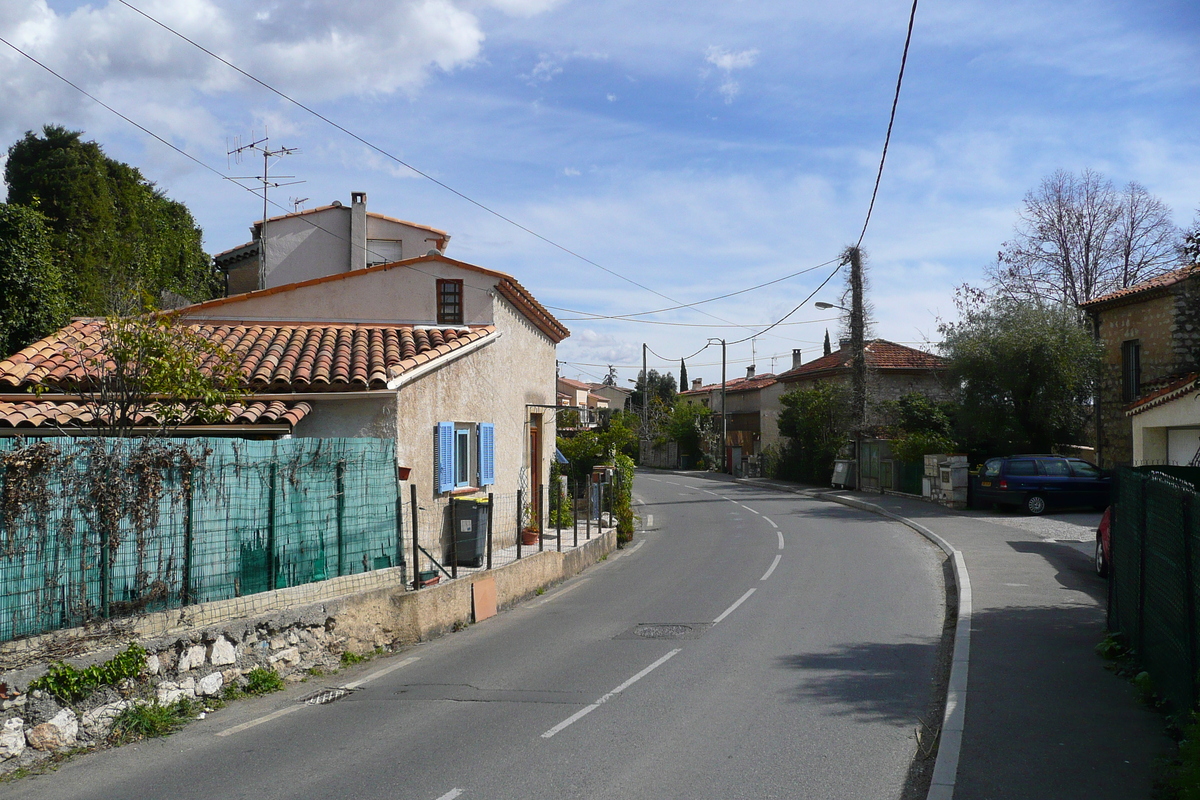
x=1101, y=563
x=1035, y=504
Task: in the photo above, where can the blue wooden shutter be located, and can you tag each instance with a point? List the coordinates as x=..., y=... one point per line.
x=444, y=456
x=487, y=454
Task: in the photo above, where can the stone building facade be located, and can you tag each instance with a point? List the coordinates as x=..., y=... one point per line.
x=1150, y=339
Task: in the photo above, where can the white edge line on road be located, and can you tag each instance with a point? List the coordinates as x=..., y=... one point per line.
x=771, y=568
x=779, y=533
x=560, y=592
x=450, y=795
x=945, y=768
x=771, y=522
x=273, y=715
x=381, y=672
x=751, y=510
x=733, y=607
x=583, y=712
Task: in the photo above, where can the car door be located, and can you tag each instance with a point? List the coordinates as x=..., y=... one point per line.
x=1056, y=484
x=1092, y=485
x=1020, y=477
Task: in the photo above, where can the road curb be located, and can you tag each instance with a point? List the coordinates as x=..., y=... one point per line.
x=945, y=769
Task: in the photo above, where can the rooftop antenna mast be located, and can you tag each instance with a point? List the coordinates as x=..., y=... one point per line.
x=263, y=146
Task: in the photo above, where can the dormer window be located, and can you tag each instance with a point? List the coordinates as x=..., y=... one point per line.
x=450, y=301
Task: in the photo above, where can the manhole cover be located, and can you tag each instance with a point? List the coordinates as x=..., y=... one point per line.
x=667, y=630
x=324, y=696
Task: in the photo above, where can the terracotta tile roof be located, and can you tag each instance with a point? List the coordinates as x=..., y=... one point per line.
x=574, y=384
x=1166, y=394
x=508, y=286
x=880, y=355
x=45, y=413
x=742, y=384
x=1145, y=287
x=293, y=358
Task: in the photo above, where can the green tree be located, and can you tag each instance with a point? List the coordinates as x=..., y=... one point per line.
x=661, y=388
x=918, y=426
x=1025, y=374
x=113, y=231
x=32, y=303
x=686, y=425
x=816, y=423
x=683, y=379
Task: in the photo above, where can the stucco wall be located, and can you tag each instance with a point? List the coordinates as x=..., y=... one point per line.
x=297, y=249
x=494, y=384
x=769, y=408
x=372, y=417
x=1149, y=428
x=401, y=295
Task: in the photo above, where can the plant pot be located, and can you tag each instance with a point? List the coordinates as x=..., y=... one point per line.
x=529, y=536
x=403, y=472
x=429, y=577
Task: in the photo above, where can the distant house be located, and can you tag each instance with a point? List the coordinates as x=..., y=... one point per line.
x=893, y=370
x=618, y=398
x=1146, y=409
x=323, y=241
x=743, y=410
x=579, y=397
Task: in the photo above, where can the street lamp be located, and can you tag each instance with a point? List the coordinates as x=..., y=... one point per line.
x=826, y=306
x=724, y=418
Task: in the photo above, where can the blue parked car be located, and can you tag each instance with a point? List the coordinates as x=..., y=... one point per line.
x=1037, y=482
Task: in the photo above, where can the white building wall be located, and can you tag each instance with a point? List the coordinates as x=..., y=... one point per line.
x=1162, y=434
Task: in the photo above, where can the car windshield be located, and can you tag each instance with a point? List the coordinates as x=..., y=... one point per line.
x=1082, y=469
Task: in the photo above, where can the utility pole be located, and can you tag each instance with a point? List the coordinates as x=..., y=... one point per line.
x=645, y=396
x=858, y=360
x=263, y=146
x=724, y=413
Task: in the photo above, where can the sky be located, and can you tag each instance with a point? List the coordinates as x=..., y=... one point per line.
x=694, y=149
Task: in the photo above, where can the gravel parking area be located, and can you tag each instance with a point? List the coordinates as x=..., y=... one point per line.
x=1068, y=526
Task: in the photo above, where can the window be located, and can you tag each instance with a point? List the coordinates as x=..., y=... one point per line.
x=450, y=302
x=1054, y=467
x=464, y=455
x=1021, y=467
x=992, y=468
x=1082, y=469
x=1131, y=370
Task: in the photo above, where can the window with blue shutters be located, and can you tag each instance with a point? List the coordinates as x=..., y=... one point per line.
x=464, y=455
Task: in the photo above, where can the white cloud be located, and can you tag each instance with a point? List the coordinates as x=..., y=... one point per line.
x=570, y=172
x=726, y=61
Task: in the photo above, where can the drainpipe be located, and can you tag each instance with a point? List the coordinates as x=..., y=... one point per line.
x=358, y=230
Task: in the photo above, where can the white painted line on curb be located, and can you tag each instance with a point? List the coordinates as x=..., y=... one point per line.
x=771, y=569
x=450, y=795
x=583, y=712
x=780, y=535
x=380, y=673
x=733, y=607
x=649, y=520
x=771, y=522
x=273, y=715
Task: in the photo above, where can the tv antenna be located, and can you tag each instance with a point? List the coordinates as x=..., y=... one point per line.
x=297, y=202
x=263, y=146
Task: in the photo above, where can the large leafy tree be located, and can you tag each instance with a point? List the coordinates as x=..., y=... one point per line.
x=32, y=301
x=114, y=232
x=1025, y=374
x=816, y=423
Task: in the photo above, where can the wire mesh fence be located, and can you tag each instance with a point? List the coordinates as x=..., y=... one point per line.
x=99, y=528
x=462, y=536
x=1154, y=596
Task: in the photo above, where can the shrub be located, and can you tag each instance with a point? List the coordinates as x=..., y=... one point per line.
x=263, y=681
x=70, y=685
x=148, y=720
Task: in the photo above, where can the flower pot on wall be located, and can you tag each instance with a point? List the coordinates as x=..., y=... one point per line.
x=529, y=536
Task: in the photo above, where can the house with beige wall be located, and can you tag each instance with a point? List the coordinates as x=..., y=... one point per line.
x=321, y=241
x=453, y=361
x=1149, y=335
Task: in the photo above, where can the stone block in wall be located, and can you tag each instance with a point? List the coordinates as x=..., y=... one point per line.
x=210, y=685
x=12, y=738
x=191, y=657
x=60, y=732
x=98, y=722
x=222, y=652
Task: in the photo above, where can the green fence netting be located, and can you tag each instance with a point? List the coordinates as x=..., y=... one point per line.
x=1154, y=598
x=96, y=528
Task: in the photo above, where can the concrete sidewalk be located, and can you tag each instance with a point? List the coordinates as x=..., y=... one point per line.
x=1044, y=718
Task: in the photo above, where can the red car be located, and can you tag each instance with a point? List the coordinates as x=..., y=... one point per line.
x=1104, y=544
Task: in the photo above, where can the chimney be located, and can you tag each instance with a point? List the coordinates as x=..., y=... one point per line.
x=358, y=230
x=749, y=372
x=843, y=344
x=796, y=359
x=696, y=384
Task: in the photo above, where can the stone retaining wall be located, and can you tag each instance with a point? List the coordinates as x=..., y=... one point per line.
x=198, y=652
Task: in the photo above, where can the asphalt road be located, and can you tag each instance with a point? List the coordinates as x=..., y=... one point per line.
x=751, y=644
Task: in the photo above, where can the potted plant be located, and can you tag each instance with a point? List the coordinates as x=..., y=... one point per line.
x=529, y=531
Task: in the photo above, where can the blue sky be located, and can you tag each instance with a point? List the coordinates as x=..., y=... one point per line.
x=695, y=149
